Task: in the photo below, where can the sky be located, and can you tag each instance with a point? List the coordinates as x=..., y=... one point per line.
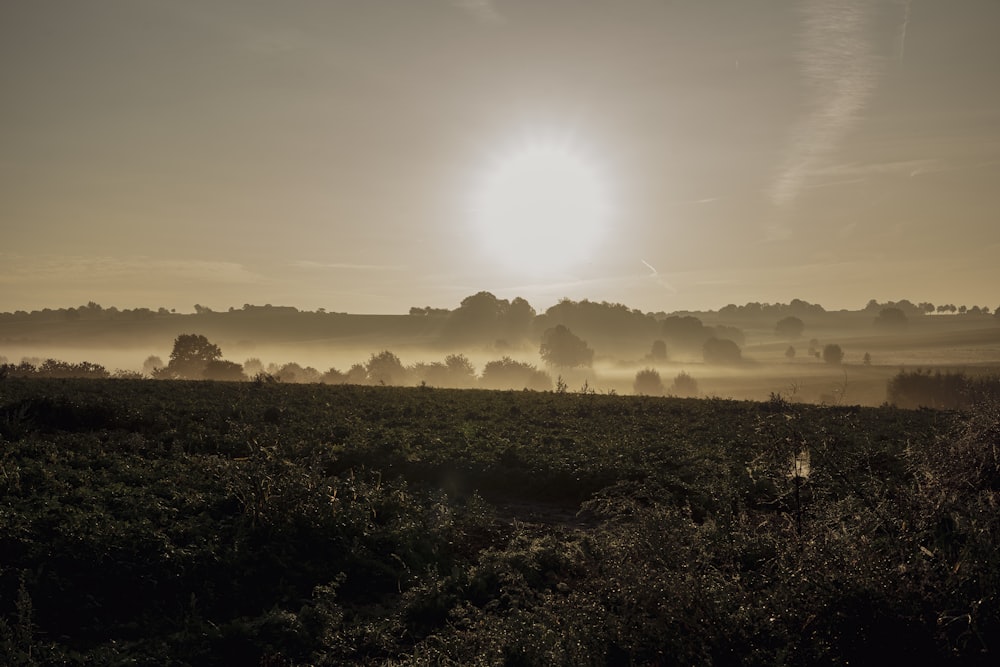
x=351, y=155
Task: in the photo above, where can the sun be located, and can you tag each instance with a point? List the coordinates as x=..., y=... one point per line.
x=542, y=208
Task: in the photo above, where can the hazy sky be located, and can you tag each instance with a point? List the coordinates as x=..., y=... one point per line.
x=335, y=154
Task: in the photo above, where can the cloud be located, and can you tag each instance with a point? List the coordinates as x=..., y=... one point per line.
x=340, y=266
x=841, y=70
x=91, y=271
x=482, y=10
x=902, y=29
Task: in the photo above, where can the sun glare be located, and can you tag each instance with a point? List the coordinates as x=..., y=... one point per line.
x=541, y=208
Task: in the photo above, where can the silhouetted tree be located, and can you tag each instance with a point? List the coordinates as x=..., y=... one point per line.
x=721, y=351
x=478, y=317
x=333, y=376
x=518, y=318
x=190, y=356
x=507, y=373
x=152, y=364
x=684, y=385
x=253, y=367
x=790, y=352
x=357, y=374
x=648, y=383
x=461, y=373
x=53, y=368
x=385, y=368
x=560, y=347
x=790, y=327
x=685, y=332
x=867, y=359
x=433, y=374
x=892, y=319
x=833, y=354
x=221, y=370
x=293, y=372
x=658, y=353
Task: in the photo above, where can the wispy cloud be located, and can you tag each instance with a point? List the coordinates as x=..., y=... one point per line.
x=345, y=266
x=75, y=270
x=902, y=29
x=907, y=167
x=481, y=10
x=841, y=69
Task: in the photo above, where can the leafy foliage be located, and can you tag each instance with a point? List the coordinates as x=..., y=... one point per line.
x=648, y=383
x=833, y=354
x=190, y=356
x=949, y=391
x=268, y=523
x=561, y=347
x=721, y=351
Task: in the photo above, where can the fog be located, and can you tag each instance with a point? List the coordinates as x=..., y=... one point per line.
x=797, y=351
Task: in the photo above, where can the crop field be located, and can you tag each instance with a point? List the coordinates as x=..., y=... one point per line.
x=258, y=523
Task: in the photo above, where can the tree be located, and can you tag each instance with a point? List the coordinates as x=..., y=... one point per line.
x=226, y=371
x=648, y=383
x=293, y=372
x=253, y=367
x=721, y=351
x=790, y=327
x=385, y=368
x=658, y=353
x=461, y=373
x=684, y=385
x=507, y=373
x=191, y=354
x=560, y=347
x=867, y=359
x=833, y=354
x=891, y=319
x=152, y=364
x=790, y=352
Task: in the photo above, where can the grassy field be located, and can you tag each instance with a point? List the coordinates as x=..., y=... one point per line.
x=203, y=523
x=967, y=343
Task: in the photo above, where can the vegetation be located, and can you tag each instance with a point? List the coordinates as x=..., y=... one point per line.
x=266, y=523
x=648, y=383
x=561, y=348
x=833, y=354
x=948, y=390
x=790, y=327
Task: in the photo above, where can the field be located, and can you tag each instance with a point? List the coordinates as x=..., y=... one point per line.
x=204, y=523
x=621, y=341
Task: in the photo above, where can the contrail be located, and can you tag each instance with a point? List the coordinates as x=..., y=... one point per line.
x=650, y=267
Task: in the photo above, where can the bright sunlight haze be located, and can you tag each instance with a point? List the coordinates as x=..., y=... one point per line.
x=541, y=209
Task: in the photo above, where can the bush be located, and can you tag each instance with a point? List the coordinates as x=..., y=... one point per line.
x=833, y=354
x=684, y=385
x=948, y=391
x=721, y=351
x=648, y=382
x=506, y=373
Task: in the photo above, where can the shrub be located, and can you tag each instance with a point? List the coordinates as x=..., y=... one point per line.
x=721, y=351
x=648, y=382
x=506, y=373
x=684, y=385
x=833, y=354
